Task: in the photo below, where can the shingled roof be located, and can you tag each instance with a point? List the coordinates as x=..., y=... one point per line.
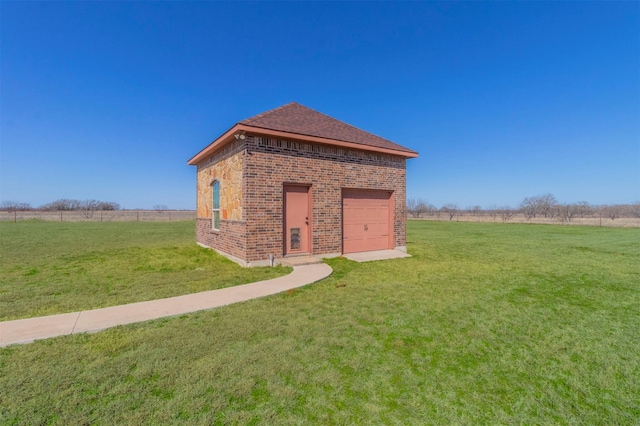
x=299, y=122
x=296, y=118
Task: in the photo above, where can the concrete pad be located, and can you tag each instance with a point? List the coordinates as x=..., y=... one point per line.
x=300, y=261
x=369, y=256
x=28, y=330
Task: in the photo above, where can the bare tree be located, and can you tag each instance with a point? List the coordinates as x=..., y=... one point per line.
x=108, y=205
x=474, y=210
x=424, y=207
x=493, y=212
x=160, y=208
x=506, y=213
x=583, y=209
x=88, y=208
x=450, y=209
x=529, y=208
x=613, y=211
x=8, y=205
x=546, y=204
x=419, y=207
x=543, y=205
x=566, y=212
x=54, y=205
x=411, y=207
x=13, y=206
x=62, y=204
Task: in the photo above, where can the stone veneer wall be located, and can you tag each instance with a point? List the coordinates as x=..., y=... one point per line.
x=227, y=170
x=327, y=169
x=225, y=166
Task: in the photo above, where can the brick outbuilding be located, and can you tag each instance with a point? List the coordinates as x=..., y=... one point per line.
x=293, y=181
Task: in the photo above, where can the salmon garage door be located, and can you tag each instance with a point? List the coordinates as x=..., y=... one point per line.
x=366, y=220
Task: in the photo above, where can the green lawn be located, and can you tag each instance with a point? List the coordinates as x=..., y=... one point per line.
x=51, y=268
x=486, y=324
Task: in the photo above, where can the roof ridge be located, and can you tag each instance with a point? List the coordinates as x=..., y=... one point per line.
x=345, y=123
x=266, y=113
x=299, y=119
x=293, y=103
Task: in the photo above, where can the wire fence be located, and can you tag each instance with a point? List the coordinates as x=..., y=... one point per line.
x=98, y=215
x=176, y=215
x=621, y=222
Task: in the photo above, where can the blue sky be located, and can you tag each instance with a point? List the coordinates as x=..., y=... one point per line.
x=503, y=100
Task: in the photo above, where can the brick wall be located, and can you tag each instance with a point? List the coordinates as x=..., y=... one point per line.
x=230, y=239
x=327, y=170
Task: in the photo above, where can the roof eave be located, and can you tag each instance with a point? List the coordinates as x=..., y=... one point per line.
x=228, y=136
x=218, y=143
x=327, y=141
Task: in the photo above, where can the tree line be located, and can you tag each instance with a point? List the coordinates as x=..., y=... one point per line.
x=63, y=204
x=546, y=206
x=66, y=204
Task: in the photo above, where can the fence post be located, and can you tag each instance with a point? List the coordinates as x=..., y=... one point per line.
x=60, y=215
x=15, y=216
x=137, y=216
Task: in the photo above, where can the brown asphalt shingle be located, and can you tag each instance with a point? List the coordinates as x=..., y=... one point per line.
x=296, y=118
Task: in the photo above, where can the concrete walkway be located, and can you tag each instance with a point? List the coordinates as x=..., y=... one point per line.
x=30, y=329
x=370, y=256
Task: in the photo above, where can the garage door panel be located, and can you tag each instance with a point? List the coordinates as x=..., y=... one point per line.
x=379, y=215
x=366, y=220
x=377, y=230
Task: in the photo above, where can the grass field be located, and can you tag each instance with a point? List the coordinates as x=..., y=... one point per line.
x=51, y=268
x=485, y=324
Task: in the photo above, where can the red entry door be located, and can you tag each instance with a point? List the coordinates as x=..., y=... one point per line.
x=296, y=219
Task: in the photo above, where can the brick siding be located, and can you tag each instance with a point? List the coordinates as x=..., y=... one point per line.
x=230, y=239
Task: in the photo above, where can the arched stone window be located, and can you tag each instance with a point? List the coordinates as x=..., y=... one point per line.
x=215, y=206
